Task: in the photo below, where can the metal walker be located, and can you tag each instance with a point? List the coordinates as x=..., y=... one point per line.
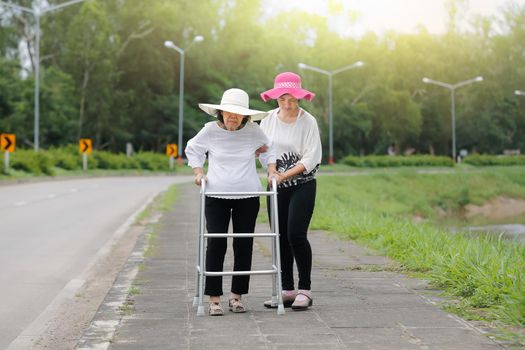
x=276, y=259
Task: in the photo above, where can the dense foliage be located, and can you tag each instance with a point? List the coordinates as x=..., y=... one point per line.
x=106, y=75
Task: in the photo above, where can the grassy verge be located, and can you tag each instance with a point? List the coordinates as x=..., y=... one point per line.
x=485, y=274
x=406, y=192
x=148, y=217
x=162, y=203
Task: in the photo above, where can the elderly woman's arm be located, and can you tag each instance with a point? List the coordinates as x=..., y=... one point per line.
x=196, y=153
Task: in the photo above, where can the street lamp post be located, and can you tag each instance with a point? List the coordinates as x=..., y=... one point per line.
x=519, y=93
x=171, y=45
x=330, y=74
x=38, y=13
x=452, y=88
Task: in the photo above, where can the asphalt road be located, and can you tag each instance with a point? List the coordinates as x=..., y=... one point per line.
x=52, y=232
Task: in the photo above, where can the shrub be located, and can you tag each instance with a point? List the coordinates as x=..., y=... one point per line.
x=69, y=158
x=397, y=161
x=489, y=160
x=152, y=161
x=37, y=163
x=107, y=160
x=65, y=158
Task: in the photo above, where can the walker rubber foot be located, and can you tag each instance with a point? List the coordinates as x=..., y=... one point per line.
x=280, y=309
x=200, y=310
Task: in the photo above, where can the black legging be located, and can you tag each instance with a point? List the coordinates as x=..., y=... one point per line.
x=243, y=213
x=296, y=206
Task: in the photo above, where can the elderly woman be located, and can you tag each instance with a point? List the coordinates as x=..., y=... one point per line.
x=230, y=143
x=295, y=137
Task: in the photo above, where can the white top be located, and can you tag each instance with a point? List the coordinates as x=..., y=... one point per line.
x=297, y=142
x=231, y=157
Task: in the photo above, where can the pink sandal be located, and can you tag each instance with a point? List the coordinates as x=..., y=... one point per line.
x=303, y=300
x=288, y=299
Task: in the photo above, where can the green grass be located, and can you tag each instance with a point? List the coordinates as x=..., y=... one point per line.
x=407, y=192
x=162, y=203
x=484, y=272
x=169, y=198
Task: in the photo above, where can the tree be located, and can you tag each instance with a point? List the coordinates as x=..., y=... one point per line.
x=16, y=114
x=89, y=52
x=352, y=127
x=59, y=101
x=397, y=118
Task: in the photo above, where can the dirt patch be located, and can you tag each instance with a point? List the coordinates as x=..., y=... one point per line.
x=497, y=208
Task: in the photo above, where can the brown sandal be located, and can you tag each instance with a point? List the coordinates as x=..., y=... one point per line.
x=215, y=309
x=236, y=305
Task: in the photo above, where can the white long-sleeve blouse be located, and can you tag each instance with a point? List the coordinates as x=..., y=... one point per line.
x=297, y=142
x=231, y=157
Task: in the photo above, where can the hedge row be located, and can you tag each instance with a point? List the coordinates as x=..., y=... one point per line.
x=397, y=161
x=482, y=160
x=68, y=158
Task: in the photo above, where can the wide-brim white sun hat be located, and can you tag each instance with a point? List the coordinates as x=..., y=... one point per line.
x=234, y=101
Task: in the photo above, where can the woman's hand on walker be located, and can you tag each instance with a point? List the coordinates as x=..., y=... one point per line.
x=278, y=178
x=198, y=179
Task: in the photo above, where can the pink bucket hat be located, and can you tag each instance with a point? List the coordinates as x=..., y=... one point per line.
x=287, y=83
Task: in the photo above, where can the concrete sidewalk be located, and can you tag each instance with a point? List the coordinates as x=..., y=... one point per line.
x=358, y=303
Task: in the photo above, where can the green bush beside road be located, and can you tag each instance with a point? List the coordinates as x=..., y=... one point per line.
x=36, y=163
x=487, y=160
x=374, y=161
x=67, y=159
x=397, y=161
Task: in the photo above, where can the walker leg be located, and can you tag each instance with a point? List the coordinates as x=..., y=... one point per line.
x=200, y=276
x=197, y=281
x=277, y=253
x=197, y=274
x=273, y=223
x=200, y=309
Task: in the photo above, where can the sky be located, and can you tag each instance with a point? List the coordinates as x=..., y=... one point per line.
x=403, y=16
